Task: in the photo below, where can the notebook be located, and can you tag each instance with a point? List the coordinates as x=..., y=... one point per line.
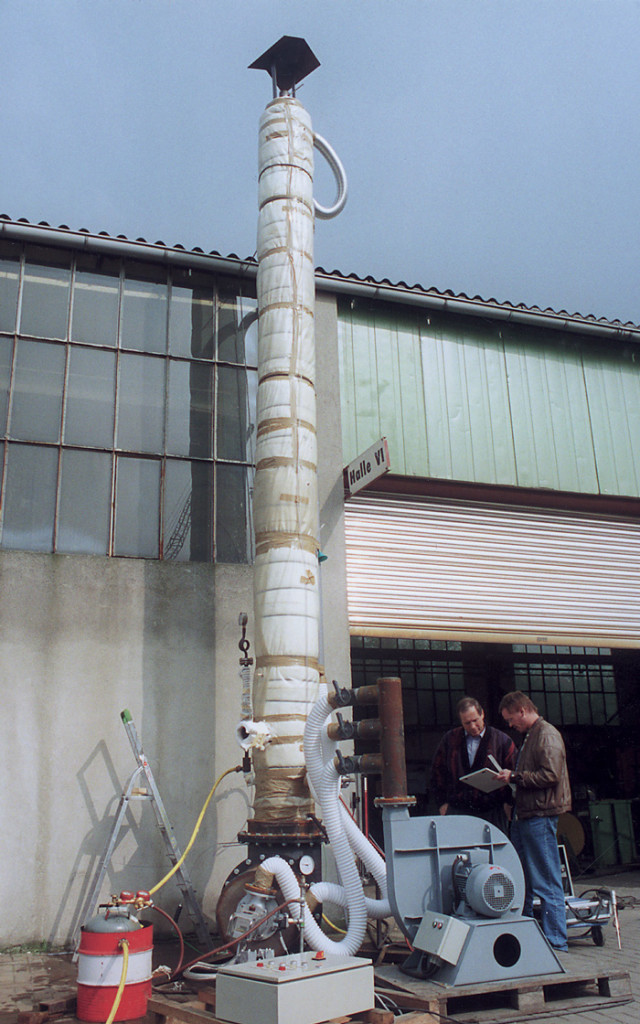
x=485, y=779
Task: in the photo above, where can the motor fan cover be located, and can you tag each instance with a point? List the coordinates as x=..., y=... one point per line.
x=490, y=890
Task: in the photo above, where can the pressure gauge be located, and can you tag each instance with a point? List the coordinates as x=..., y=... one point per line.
x=307, y=865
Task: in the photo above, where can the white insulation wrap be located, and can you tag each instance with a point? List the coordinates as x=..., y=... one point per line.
x=286, y=607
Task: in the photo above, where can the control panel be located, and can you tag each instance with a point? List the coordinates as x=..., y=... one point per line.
x=302, y=988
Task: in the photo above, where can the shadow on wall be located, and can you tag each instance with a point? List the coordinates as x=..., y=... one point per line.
x=92, y=846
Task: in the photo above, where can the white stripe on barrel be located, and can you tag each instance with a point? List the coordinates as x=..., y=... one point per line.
x=100, y=962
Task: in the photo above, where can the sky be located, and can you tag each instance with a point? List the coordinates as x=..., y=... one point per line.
x=492, y=147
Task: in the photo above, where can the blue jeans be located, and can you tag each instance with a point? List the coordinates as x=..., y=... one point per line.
x=537, y=846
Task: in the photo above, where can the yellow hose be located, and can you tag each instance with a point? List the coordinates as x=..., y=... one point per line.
x=332, y=925
x=124, y=946
x=175, y=867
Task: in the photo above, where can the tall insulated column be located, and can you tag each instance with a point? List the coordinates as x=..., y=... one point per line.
x=286, y=596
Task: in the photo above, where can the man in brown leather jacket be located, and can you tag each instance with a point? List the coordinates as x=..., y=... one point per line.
x=542, y=792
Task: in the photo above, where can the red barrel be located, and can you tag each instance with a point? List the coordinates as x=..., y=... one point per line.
x=100, y=962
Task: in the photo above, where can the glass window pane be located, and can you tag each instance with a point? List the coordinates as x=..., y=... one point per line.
x=190, y=410
x=248, y=312
x=45, y=295
x=95, y=306
x=553, y=712
x=425, y=707
x=597, y=709
x=144, y=316
x=233, y=534
x=234, y=420
x=443, y=710
x=30, y=497
x=237, y=328
x=37, y=391
x=410, y=708
x=85, y=502
x=611, y=709
x=141, y=404
x=137, y=507
x=191, y=322
x=6, y=351
x=188, y=512
x=90, y=405
x=608, y=679
x=569, y=714
x=9, y=280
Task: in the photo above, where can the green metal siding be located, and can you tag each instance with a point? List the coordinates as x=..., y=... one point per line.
x=463, y=399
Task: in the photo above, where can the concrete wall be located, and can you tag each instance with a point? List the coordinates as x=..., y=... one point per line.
x=82, y=638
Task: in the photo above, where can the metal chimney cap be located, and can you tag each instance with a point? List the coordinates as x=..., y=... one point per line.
x=288, y=61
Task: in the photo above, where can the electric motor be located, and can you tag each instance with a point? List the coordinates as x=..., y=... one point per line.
x=490, y=890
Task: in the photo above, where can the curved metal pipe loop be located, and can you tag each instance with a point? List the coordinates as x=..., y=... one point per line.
x=332, y=158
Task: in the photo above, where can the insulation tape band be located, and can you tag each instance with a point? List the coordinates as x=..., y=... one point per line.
x=301, y=205
x=274, y=810
x=285, y=460
x=294, y=499
x=284, y=718
x=276, y=250
x=295, y=306
x=280, y=375
x=281, y=794
x=266, y=541
x=278, y=741
x=284, y=423
x=286, y=661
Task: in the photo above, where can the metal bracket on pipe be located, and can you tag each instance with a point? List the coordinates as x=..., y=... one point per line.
x=342, y=729
x=341, y=697
x=362, y=764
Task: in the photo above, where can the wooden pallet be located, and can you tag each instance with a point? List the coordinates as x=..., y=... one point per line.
x=508, y=1000
x=425, y=1002
x=202, y=1011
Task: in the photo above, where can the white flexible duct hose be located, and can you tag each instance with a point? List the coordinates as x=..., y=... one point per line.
x=329, y=892
x=325, y=785
x=372, y=860
x=332, y=158
x=346, y=839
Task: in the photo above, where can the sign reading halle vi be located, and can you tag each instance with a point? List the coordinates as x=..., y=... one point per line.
x=367, y=467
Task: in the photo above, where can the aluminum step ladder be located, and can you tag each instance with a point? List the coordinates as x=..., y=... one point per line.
x=149, y=792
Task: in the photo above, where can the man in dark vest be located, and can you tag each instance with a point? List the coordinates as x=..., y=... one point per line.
x=466, y=749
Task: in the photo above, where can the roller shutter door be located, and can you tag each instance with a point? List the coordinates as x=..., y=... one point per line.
x=455, y=570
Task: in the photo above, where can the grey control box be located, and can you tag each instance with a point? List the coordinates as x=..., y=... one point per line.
x=442, y=936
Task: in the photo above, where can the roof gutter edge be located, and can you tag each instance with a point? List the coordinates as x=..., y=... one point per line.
x=473, y=307
x=124, y=247
x=324, y=282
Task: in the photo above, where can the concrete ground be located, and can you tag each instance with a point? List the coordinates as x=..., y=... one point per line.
x=27, y=978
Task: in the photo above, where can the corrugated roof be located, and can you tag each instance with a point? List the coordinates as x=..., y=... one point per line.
x=379, y=288
x=477, y=299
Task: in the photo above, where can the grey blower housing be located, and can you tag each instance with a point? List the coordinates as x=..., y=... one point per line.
x=456, y=888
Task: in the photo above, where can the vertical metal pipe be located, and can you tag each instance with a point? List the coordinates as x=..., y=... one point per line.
x=394, y=771
x=286, y=680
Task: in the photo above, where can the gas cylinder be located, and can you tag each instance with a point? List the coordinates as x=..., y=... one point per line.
x=101, y=962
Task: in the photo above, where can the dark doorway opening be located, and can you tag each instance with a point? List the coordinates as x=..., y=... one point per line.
x=589, y=693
